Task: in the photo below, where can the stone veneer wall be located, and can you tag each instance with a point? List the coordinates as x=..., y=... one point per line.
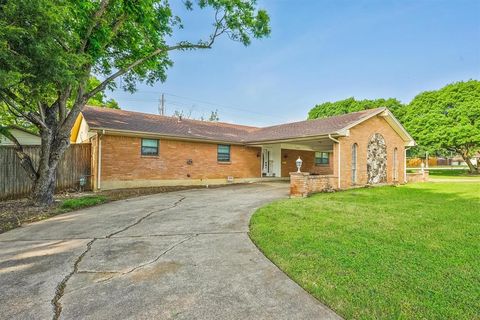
x=377, y=159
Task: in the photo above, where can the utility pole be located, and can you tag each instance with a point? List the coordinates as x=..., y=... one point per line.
x=161, y=106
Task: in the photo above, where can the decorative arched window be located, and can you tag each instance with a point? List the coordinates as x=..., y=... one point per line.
x=354, y=163
x=395, y=164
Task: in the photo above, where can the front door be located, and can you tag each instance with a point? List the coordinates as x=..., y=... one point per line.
x=267, y=163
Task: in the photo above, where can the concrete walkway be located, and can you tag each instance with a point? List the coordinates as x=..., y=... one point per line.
x=180, y=255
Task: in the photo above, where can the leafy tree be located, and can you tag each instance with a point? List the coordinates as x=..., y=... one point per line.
x=447, y=120
x=8, y=119
x=329, y=109
x=214, y=116
x=100, y=99
x=50, y=48
x=181, y=114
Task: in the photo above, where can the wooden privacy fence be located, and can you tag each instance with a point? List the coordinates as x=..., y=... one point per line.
x=14, y=182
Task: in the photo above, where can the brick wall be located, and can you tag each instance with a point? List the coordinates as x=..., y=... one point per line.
x=122, y=161
x=361, y=134
x=308, y=157
x=418, y=176
x=303, y=184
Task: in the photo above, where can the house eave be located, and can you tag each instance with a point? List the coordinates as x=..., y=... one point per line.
x=297, y=139
x=129, y=133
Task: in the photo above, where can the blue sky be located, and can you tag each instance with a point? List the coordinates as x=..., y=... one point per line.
x=319, y=51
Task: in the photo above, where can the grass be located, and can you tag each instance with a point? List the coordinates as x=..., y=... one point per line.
x=408, y=252
x=457, y=173
x=82, y=202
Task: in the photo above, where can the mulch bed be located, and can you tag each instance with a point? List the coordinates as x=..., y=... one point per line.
x=14, y=213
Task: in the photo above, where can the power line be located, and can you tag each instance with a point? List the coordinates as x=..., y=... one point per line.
x=220, y=105
x=270, y=116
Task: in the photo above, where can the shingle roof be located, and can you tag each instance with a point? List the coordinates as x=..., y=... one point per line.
x=307, y=128
x=105, y=118
x=111, y=119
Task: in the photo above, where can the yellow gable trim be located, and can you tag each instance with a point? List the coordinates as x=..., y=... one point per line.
x=76, y=128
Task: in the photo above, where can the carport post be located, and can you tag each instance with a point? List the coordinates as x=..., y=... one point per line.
x=338, y=157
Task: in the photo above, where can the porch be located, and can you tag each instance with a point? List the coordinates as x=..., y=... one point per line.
x=278, y=160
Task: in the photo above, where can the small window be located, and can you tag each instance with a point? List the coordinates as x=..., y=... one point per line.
x=395, y=164
x=149, y=147
x=321, y=158
x=223, y=153
x=354, y=163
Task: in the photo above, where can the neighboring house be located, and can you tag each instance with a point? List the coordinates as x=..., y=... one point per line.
x=132, y=149
x=23, y=136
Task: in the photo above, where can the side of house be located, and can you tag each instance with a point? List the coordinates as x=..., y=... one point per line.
x=356, y=162
x=131, y=149
x=23, y=136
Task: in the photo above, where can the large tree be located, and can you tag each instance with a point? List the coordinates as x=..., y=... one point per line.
x=447, y=120
x=50, y=48
x=10, y=120
x=329, y=109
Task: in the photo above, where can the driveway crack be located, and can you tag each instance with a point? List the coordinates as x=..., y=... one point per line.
x=161, y=255
x=60, y=290
x=151, y=261
x=176, y=203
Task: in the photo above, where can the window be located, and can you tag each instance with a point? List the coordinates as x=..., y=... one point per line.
x=321, y=158
x=354, y=163
x=149, y=147
x=395, y=164
x=223, y=153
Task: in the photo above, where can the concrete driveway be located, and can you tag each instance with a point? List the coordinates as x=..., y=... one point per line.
x=180, y=255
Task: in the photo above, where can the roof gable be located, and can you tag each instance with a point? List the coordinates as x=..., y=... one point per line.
x=312, y=128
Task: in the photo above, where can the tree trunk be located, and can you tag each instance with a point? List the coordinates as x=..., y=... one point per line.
x=44, y=188
x=473, y=169
x=54, y=144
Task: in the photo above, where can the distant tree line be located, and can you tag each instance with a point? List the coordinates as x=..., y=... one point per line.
x=442, y=122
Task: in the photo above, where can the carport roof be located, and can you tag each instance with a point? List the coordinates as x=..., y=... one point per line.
x=143, y=123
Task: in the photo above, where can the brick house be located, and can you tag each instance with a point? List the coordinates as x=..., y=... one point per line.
x=132, y=149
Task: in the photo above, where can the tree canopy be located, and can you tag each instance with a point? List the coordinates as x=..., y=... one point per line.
x=8, y=119
x=49, y=49
x=447, y=119
x=444, y=121
x=100, y=99
x=329, y=109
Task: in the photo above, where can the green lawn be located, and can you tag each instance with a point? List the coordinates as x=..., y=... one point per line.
x=408, y=252
x=82, y=202
x=452, y=174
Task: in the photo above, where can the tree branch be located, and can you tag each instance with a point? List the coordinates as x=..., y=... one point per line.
x=80, y=101
x=62, y=103
x=10, y=99
x=218, y=31
x=180, y=46
x=95, y=19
